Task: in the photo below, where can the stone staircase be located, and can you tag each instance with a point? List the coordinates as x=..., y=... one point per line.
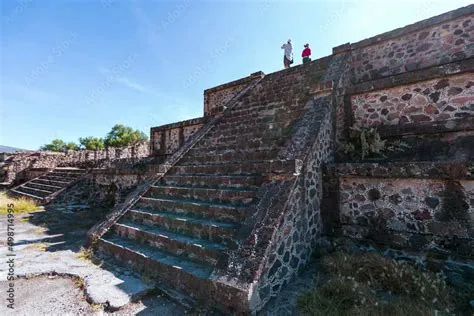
x=187, y=220
x=47, y=186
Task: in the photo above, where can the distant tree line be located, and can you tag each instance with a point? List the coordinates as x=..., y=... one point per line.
x=119, y=136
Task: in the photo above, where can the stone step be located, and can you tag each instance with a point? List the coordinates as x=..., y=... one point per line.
x=56, y=178
x=277, y=112
x=242, y=147
x=179, y=273
x=264, y=109
x=205, y=181
x=61, y=184
x=42, y=186
x=193, y=248
x=196, y=158
x=236, y=127
x=67, y=174
x=21, y=193
x=171, y=272
x=202, y=228
x=245, y=131
x=50, y=176
x=197, y=209
x=211, y=195
x=244, y=168
x=33, y=191
x=39, y=184
x=244, y=141
x=246, y=120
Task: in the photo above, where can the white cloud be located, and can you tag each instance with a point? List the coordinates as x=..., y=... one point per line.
x=132, y=85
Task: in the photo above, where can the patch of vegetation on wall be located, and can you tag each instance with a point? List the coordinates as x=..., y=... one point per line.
x=366, y=143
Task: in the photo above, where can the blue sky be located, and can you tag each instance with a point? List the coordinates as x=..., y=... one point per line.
x=75, y=68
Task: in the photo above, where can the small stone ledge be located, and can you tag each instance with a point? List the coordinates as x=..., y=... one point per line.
x=464, y=124
x=190, y=122
x=322, y=88
x=406, y=78
x=419, y=170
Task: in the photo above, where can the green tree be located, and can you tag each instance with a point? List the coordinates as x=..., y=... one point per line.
x=59, y=145
x=122, y=136
x=92, y=143
x=55, y=145
x=71, y=146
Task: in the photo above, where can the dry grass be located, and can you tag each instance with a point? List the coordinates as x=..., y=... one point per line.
x=96, y=307
x=38, y=246
x=21, y=205
x=368, y=284
x=397, y=277
x=79, y=282
x=85, y=254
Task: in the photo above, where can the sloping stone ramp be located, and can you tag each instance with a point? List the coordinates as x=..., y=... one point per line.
x=46, y=187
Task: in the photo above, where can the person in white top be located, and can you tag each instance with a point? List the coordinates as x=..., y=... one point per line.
x=287, y=58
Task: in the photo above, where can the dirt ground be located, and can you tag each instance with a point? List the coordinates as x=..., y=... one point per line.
x=47, y=296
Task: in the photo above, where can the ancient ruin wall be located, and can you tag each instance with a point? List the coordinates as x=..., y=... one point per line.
x=215, y=98
x=437, y=100
x=409, y=206
x=414, y=57
x=167, y=139
x=21, y=162
x=443, y=42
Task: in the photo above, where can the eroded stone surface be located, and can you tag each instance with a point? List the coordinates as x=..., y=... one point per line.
x=101, y=286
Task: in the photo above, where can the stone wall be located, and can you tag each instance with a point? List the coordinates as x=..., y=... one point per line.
x=18, y=164
x=215, y=98
x=420, y=74
x=440, y=40
x=167, y=139
x=422, y=207
x=437, y=100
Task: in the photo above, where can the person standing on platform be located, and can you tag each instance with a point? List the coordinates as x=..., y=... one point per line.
x=287, y=57
x=306, y=54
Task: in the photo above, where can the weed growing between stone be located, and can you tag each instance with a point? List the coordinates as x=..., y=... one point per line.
x=368, y=284
x=39, y=246
x=21, y=205
x=85, y=254
x=366, y=143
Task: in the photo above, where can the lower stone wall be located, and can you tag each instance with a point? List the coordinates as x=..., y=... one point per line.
x=103, y=188
x=422, y=207
x=17, y=165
